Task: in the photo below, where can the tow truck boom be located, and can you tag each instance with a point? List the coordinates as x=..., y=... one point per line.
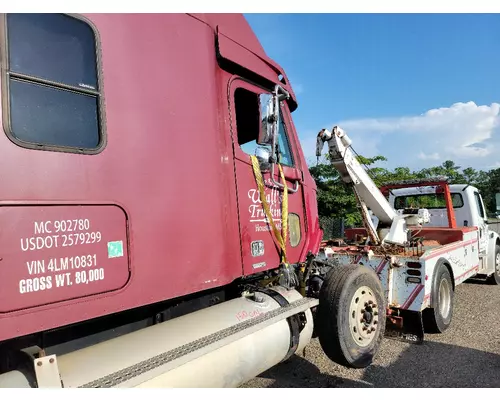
x=343, y=158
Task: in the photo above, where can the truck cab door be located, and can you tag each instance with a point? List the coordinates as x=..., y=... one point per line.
x=259, y=245
x=481, y=224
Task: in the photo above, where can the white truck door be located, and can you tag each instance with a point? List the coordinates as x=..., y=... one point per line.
x=481, y=223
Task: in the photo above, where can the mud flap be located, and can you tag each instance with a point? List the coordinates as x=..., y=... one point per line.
x=406, y=327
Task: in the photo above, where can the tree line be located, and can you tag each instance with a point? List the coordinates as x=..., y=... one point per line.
x=336, y=199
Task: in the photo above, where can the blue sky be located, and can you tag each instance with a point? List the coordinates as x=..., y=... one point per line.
x=416, y=88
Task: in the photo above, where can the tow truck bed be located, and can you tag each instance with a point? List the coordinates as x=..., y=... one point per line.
x=405, y=271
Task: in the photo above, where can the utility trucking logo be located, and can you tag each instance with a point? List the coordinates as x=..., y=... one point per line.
x=256, y=210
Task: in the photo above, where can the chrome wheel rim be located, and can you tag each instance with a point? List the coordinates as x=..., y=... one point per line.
x=363, y=316
x=444, y=298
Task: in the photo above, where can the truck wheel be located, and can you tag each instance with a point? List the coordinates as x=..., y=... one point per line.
x=350, y=317
x=438, y=318
x=494, y=279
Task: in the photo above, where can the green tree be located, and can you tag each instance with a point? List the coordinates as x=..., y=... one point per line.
x=336, y=199
x=488, y=184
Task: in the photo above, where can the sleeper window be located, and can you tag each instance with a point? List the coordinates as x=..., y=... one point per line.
x=53, y=83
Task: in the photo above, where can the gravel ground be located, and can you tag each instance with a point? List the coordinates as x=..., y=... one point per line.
x=466, y=355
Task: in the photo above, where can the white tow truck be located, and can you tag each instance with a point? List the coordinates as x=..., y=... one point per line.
x=421, y=238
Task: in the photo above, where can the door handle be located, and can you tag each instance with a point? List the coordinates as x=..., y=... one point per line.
x=291, y=190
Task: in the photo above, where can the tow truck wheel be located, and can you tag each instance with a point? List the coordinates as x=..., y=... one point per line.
x=438, y=318
x=350, y=317
x=495, y=277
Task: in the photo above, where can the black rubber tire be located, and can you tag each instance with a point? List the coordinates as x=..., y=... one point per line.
x=434, y=321
x=494, y=279
x=332, y=321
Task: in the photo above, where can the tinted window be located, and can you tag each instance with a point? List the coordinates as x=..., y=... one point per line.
x=284, y=146
x=58, y=116
x=479, y=205
x=429, y=201
x=54, y=47
x=53, y=85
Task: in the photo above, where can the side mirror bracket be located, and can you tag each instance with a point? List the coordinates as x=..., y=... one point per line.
x=268, y=136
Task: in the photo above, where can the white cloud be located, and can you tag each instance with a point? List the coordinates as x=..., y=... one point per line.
x=465, y=132
x=433, y=156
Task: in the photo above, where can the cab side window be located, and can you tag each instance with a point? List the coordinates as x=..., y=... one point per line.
x=283, y=144
x=248, y=124
x=479, y=205
x=52, y=82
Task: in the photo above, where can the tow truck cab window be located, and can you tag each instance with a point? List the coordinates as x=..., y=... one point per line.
x=429, y=201
x=248, y=124
x=479, y=205
x=52, y=82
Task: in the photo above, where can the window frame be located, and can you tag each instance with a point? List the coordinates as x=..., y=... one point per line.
x=99, y=93
x=238, y=82
x=287, y=138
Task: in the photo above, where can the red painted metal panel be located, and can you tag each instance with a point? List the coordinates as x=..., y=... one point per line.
x=450, y=211
x=385, y=188
x=234, y=26
x=253, y=221
x=168, y=163
x=248, y=53
x=241, y=56
x=55, y=253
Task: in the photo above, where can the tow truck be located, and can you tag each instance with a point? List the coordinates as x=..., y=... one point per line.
x=422, y=239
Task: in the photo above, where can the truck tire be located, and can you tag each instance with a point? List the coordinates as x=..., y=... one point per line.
x=494, y=278
x=438, y=318
x=350, y=318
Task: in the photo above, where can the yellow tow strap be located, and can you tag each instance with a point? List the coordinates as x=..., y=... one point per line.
x=281, y=236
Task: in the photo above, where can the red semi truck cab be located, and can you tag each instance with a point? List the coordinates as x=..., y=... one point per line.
x=125, y=165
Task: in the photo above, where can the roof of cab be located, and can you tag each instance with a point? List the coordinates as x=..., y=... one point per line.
x=237, y=27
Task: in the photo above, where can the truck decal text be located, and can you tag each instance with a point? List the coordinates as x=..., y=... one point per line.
x=57, y=272
x=64, y=233
x=256, y=210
